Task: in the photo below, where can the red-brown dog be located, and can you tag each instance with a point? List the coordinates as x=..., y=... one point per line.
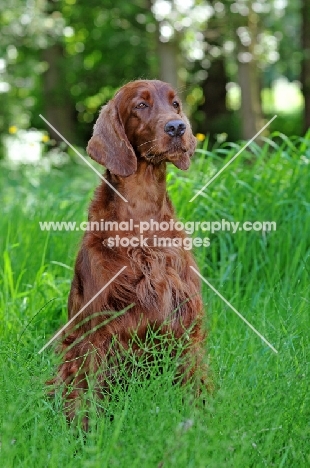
x=141, y=129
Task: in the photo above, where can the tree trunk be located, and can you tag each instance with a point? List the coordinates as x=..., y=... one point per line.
x=168, y=53
x=59, y=110
x=249, y=82
x=251, y=113
x=214, y=92
x=305, y=70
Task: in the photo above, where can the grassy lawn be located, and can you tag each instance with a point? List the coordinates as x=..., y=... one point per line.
x=259, y=412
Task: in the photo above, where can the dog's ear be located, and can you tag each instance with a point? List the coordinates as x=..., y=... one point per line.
x=109, y=144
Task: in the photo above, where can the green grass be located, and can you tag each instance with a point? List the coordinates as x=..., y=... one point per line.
x=259, y=413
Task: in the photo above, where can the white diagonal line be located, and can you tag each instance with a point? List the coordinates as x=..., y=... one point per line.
x=82, y=157
x=235, y=310
x=229, y=162
x=83, y=308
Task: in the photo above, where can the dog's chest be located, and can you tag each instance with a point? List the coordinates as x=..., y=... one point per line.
x=160, y=277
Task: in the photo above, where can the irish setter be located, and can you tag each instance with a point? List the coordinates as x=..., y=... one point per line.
x=141, y=129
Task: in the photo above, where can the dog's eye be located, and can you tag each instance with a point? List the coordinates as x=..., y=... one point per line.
x=176, y=105
x=141, y=105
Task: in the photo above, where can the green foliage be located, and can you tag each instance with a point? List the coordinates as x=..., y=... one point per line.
x=102, y=45
x=258, y=414
x=105, y=48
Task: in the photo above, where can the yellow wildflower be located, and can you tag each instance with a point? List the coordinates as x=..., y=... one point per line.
x=200, y=136
x=12, y=129
x=45, y=138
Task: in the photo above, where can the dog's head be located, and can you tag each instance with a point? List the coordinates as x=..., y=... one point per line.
x=143, y=120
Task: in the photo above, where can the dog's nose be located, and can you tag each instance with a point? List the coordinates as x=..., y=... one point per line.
x=175, y=128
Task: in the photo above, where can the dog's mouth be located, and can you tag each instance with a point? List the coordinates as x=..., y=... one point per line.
x=171, y=154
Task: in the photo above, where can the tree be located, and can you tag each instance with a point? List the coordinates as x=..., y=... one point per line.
x=65, y=59
x=305, y=71
x=58, y=105
x=249, y=75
